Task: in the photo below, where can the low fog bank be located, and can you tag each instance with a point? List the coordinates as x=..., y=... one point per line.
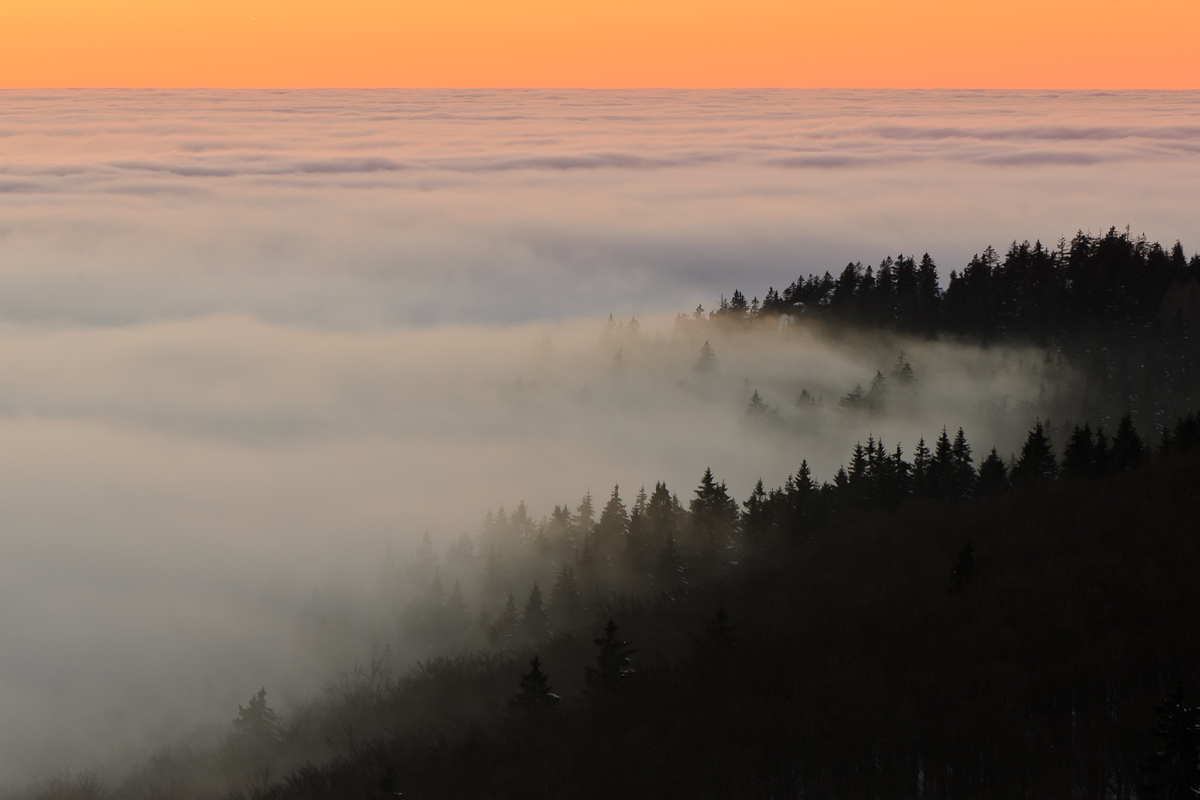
x=197, y=509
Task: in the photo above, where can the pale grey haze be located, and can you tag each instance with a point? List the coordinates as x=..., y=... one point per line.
x=249, y=341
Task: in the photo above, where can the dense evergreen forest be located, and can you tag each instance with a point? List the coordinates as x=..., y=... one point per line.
x=947, y=623
x=1125, y=310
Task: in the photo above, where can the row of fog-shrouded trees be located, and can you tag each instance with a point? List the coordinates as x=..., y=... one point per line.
x=914, y=628
x=530, y=578
x=1122, y=311
x=1114, y=281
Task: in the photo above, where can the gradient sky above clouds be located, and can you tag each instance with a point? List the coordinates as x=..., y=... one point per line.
x=250, y=339
x=1054, y=44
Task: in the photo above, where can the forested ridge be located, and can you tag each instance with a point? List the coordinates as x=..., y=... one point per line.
x=938, y=621
x=1124, y=309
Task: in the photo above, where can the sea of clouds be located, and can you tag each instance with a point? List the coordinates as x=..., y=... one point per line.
x=251, y=340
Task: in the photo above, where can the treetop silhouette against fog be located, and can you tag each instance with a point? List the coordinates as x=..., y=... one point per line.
x=847, y=619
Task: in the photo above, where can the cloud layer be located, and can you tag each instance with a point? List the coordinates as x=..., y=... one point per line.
x=415, y=207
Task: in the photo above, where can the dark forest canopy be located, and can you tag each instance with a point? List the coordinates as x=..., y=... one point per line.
x=936, y=621
x=1123, y=311
x=1024, y=632
x=1113, y=283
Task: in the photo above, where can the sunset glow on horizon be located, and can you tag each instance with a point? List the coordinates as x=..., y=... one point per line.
x=1061, y=44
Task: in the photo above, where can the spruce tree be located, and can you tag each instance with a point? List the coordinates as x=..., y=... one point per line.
x=1128, y=450
x=714, y=515
x=855, y=400
x=613, y=665
x=670, y=565
x=921, y=467
x=662, y=512
x=756, y=518
x=1079, y=454
x=876, y=397
x=635, y=543
x=565, y=599
x=964, y=477
x=613, y=524
x=535, y=621
x=535, y=688
x=856, y=474
x=707, y=362
x=257, y=723
x=800, y=494
x=641, y=501
x=507, y=624
x=993, y=475
x=583, y=521
x=756, y=408
x=1037, y=462
x=903, y=371
x=941, y=468
x=903, y=475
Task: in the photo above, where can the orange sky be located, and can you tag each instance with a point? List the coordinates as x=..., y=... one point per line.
x=1062, y=44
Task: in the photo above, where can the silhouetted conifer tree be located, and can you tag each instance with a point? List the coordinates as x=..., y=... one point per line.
x=662, y=513
x=1079, y=454
x=855, y=400
x=941, y=468
x=993, y=475
x=670, y=565
x=1128, y=450
x=636, y=543
x=1037, y=460
x=964, y=476
x=641, y=501
x=613, y=665
x=565, y=599
x=257, y=723
x=756, y=519
x=611, y=530
x=903, y=475
x=535, y=688
x=707, y=362
x=714, y=515
x=903, y=371
x=507, y=624
x=584, y=519
x=535, y=621
x=856, y=473
x=921, y=468
x=876, y=397
x=758, y=412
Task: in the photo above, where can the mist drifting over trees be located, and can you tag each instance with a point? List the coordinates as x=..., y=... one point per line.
x=911, y=540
